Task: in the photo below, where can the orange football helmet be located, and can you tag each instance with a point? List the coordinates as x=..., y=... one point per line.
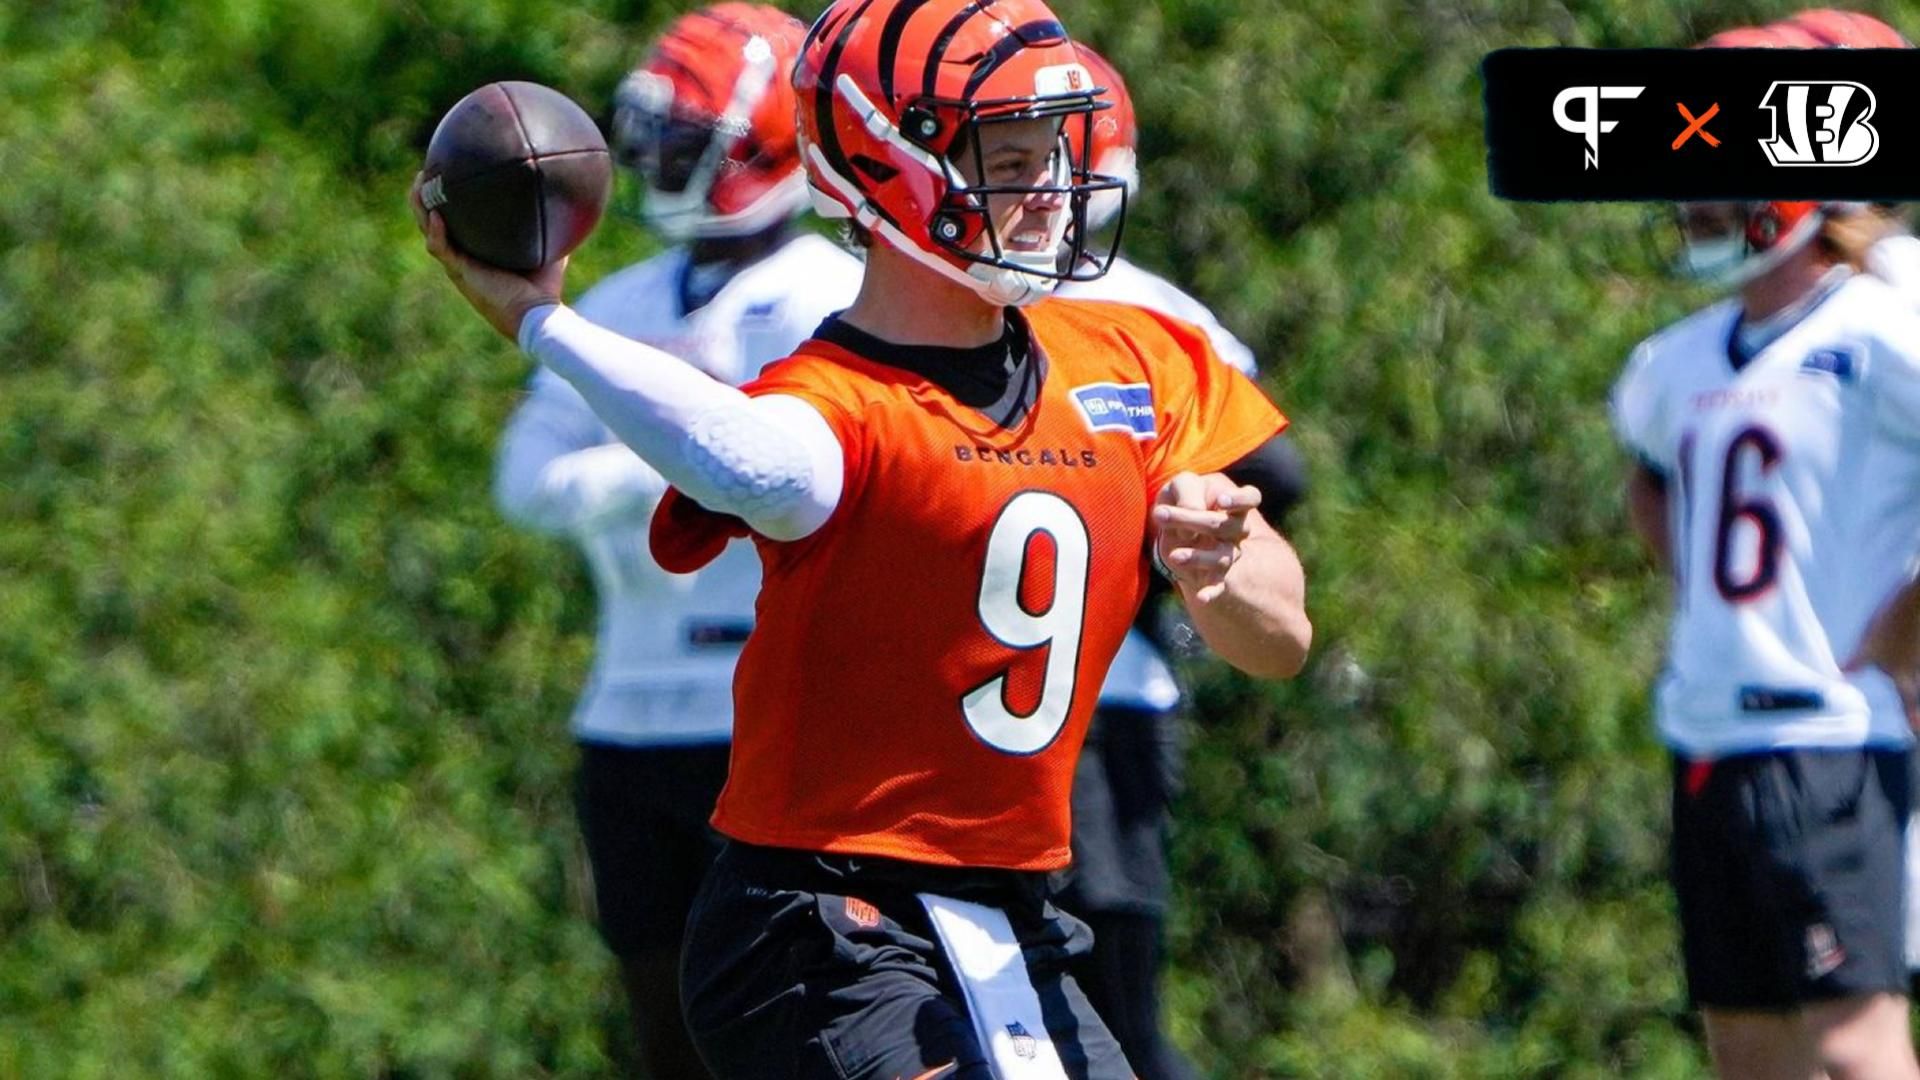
x=1116, y=137
x=1831, y=28
x=705, y=123
x=1770, y=36
x=1769, y=232
x=891, y=91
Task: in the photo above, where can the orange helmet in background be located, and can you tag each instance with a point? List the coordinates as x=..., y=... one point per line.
x=1771, y=231
x=1771, y=36
x=1831, y=28
x=705, y=123
x=890, y=92
x=1116, y=136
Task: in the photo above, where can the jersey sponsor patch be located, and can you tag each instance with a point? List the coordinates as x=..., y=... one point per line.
x=1124, y=407
x=1835, y=362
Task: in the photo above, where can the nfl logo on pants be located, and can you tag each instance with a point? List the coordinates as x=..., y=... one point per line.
x=1023, y=1043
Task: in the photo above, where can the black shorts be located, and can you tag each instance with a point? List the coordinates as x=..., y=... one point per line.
x=643, y=812
x=1123, y=789
x=825, y=967
x=1789, y=868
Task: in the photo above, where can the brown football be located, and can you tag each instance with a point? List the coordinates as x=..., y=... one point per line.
x=519, y=172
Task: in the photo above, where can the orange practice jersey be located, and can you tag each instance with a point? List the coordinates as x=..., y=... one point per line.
x=923, y=667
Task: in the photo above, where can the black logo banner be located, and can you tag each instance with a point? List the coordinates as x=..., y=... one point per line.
x=1602, y=125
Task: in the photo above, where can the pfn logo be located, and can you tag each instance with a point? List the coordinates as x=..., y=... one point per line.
x=1826, y=124
x=1590, y=125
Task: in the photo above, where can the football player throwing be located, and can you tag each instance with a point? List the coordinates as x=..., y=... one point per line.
x=954, y=496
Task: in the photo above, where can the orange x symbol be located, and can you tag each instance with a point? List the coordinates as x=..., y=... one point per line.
x=1698, y=125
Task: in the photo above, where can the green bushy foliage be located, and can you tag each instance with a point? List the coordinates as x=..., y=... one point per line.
x=286, y=785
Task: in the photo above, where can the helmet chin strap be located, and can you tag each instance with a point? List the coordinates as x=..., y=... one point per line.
x=1010, y=288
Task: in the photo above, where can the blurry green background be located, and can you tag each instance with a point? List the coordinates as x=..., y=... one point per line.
x=285, y=786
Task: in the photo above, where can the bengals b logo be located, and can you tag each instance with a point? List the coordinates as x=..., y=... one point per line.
x=1820, y=123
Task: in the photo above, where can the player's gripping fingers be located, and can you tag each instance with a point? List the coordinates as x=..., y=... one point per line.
x=502, y=297
x=417, y=206
x=1206, y=559
x=1224, y=494
x=1205, y=591
x=1186, y=490
x=1226, y=526
x=1201, y=569
x=1199, y=522
x=438, y=247
x=434, y=228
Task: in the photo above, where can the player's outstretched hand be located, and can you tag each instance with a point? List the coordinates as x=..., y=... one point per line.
x=502, y=297
x=1892, y=644
x=1201, y=522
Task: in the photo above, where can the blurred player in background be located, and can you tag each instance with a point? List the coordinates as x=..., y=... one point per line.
x=1895, y=259
x=1893, y=255
x=954, y=497
x=704, y=130
x=1131, y=765
x=1778, y=438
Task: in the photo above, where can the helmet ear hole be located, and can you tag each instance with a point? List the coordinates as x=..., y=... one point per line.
x=949, y=228
x=920, y=125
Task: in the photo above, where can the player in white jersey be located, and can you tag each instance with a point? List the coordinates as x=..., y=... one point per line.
x=1778, y=438
x=1131, y=764
x=1779, y=445
x=1895, y=259
x=705, y=126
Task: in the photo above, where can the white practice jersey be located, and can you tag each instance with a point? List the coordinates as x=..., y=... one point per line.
x=1794, y=498
x=1140, y=677
x=1896, y=261
x=663, y=667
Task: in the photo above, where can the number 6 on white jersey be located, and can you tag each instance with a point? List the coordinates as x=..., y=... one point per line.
x=1057, y=628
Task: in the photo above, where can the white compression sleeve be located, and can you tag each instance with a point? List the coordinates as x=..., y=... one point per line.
x=773, y=461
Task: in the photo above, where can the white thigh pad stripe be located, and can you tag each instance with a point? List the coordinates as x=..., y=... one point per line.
x=1005, y=1009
